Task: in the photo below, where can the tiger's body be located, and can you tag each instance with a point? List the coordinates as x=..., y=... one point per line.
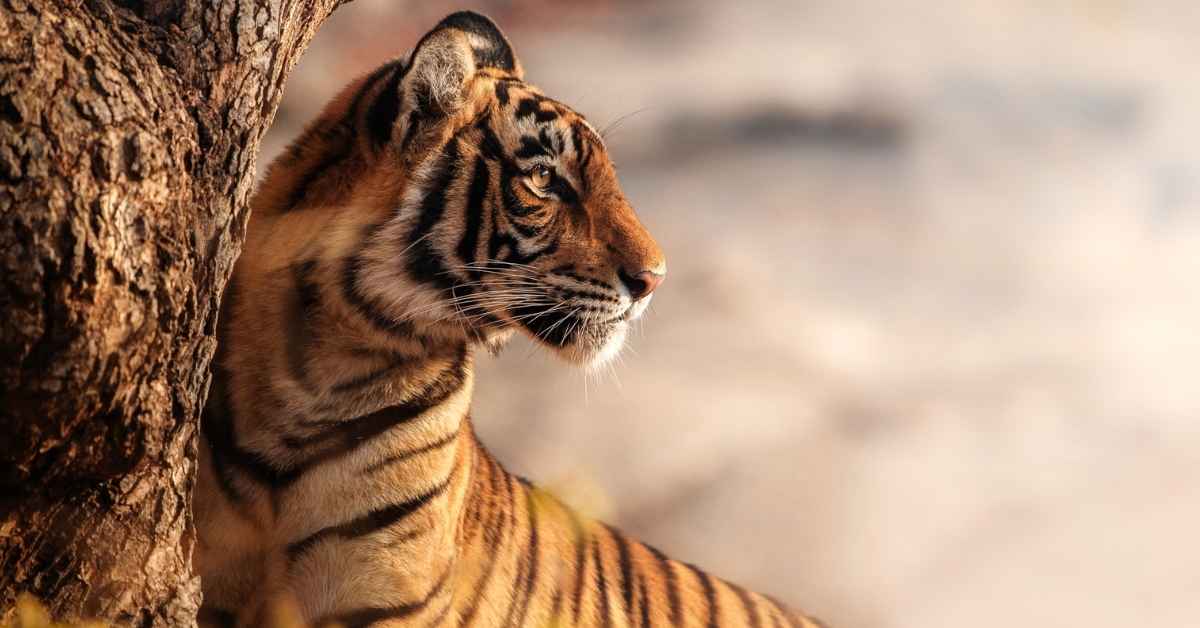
x=434, y=208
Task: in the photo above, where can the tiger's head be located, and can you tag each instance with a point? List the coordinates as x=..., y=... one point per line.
x=496, y=208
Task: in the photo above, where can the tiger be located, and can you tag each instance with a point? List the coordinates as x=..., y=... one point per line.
x=436, y=207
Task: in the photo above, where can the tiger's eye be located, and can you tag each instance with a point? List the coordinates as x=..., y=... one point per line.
x=540, y=176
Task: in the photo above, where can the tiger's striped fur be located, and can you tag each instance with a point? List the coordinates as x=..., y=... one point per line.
x=405, y=229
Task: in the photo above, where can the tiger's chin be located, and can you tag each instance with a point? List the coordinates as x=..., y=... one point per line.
x=594, y=346
x=591, y=340
x=587, y=343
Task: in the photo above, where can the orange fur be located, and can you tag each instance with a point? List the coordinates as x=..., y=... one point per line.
x=402, y=231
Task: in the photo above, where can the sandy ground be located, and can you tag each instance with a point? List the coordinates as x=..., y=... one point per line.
x=927, y=353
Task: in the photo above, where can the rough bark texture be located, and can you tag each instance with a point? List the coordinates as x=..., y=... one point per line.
x=128, y=134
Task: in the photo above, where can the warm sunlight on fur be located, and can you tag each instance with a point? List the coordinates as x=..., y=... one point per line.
x=437, y=207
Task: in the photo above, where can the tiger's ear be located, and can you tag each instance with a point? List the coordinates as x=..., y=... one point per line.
x=433, y=83
x=449, y=55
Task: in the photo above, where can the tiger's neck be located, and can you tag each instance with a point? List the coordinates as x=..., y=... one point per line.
x=357, y=432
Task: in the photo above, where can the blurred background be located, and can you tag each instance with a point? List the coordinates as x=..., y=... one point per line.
x=928, y=353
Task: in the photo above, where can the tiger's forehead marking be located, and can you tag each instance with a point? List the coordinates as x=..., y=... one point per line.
x=531, y=102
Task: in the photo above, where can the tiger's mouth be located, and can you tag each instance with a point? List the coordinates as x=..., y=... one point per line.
x=582, y=319
x=581, y=332
x=577, y=334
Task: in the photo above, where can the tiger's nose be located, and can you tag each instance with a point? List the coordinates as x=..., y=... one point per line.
x=642, y=283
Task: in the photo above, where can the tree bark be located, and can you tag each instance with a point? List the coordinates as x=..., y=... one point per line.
x=128, y=134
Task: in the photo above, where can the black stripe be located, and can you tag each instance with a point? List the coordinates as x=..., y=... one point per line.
x=775, y=623
x=433, y=205
x=791, y=620
x=710, y=594
x=218, y=426
x=373, y=78
x=436, y=621
x=526, y=107
x=580, y=539
x=369, y=523
x=406, y=455
x=531, y=551
x=645, y=605
x=401, y=539
x=494, y=540
x=581, y=279
x=314, y=174
x=507, y=521
x=554, y=143
x=514, y=600
x=566, y=194
x=748, y=604
x=556, y=606
x=306, y=301
x=359, y=303
x=626, y=564
x=499, y=240
x=423, y=263
x=469, y=244
x=410, y=129
x=550, y=246
x=528, y=231
x=372, y=377
x=382, y=114
x=590, y=294
x=512, y=204
x=227, y=455
x=584, y=158
x=366, y=616
x=530, y=147
x=601, y=584
x=490, y=145
x=506, y=517
x=439, y=386
x=344, y=436
x=672, y=583
x=510, y=484
x=581, y=164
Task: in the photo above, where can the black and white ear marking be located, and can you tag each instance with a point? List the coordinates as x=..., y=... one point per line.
x=488, y=45
x=433, y=83
x=449, y=55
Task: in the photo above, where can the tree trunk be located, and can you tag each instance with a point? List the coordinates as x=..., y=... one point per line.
x=128, y=134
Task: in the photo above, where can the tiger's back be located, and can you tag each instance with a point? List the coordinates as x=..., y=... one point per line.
x=436, y=207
